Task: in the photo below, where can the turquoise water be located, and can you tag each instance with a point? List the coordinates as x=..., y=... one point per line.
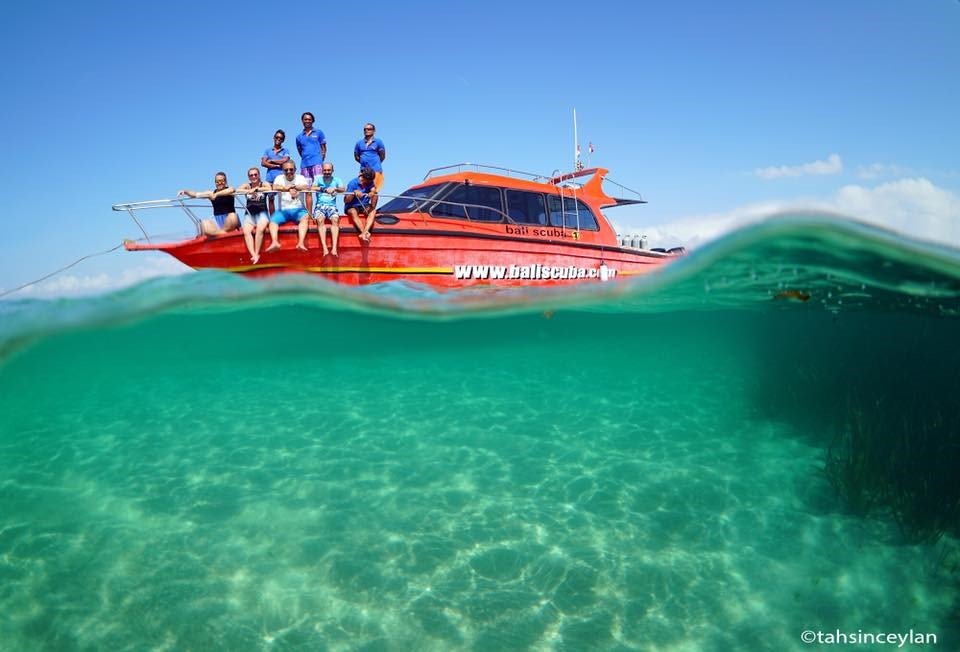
x=208, y=462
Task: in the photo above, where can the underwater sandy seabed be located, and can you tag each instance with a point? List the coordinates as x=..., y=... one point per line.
x=578, y=480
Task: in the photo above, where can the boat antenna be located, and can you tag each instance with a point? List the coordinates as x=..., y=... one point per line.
x=576, y=143
x=577, y=166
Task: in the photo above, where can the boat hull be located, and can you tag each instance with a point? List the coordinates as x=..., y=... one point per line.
x=442, y=258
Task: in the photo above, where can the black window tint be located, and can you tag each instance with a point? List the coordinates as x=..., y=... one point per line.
x=481, y=203
x=526, y=207
x=411, y=200
x=452, y=209
x=571, y=213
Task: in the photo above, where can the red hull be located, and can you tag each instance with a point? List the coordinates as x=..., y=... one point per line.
x=444, y=252
x=440, y=258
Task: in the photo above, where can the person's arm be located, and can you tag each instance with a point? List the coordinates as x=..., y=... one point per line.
x=299, y=147
x=276, y=163
x=323, y=150
x=222, y=193
x=356, y=152
x=382, y=152
x=192, y=194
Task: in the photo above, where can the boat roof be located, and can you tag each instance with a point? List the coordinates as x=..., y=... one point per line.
x=586, y=183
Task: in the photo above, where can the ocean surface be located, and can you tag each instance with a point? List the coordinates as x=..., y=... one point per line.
x=759, y=441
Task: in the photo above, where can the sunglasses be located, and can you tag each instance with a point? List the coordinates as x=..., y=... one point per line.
x=289, y=169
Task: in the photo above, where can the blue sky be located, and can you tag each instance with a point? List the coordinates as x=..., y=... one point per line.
x=717, y=112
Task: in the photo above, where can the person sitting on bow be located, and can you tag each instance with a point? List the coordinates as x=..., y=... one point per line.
x=224, y=207
x=360, y=202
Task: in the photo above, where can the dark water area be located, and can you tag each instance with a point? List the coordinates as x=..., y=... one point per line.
x=760, y=442
x=883, y=391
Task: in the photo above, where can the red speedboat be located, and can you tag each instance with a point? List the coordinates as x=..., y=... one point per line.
x=464, y=225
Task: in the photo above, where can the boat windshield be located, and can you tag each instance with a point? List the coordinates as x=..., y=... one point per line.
x=412, y=200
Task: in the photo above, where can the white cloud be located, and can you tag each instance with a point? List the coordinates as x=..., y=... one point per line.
x=832, y=165
x=75, y=285
x=697, y=229
x=913, y=206
x=881, y=170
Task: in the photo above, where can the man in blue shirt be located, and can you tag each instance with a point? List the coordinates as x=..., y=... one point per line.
x=369, y=152
x=361, y=199
x=312, y=146
x=327, y=187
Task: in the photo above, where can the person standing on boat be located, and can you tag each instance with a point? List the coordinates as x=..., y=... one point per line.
x=312, y=145
x=273, y=159
x=256, y=219
x=327, y=187
x=289, y=187
x=224, y=208
x=361, y=200
x=369, y=152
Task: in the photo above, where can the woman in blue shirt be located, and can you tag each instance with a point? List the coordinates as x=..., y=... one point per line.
x=273, y=159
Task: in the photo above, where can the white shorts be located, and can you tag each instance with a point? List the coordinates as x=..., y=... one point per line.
x=255, y=219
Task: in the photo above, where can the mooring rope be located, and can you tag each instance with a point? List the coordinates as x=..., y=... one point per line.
x=62, y=269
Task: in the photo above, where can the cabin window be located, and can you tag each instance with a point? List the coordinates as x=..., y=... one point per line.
x=571, y=213
x=526, y=207
x=412, y=200
x=468, y=201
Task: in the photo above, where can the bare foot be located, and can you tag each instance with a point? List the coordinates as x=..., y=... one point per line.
x=334, y=253
x=325, y=252
x=301, y=246
x=274, y=246
x=255, y=259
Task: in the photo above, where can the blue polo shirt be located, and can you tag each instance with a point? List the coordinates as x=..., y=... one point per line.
x=370, y=154
x=323, y=198
x=270, y=155
x=355, y=184
x=309, y=148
